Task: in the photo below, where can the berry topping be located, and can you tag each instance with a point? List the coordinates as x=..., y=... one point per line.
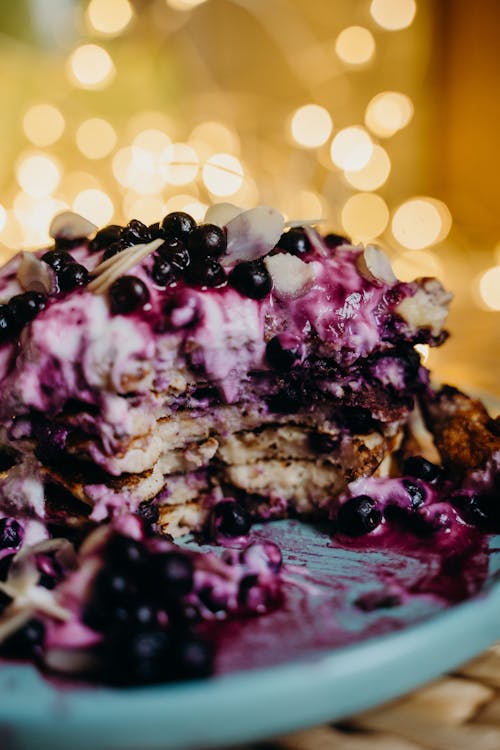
x=72, y=276
x=421, y=468
x=358, y=516
x=266, y=553
x=135, y=233
x=334, y=240
x=11, y=534
x=278, y=356
x=252, y=279
x=7, y=325
x=182, y=310
x=113, y=249
x=57, y=259
x=128, y=293
x=175, y=251
x=24, y=307
x=177, y=224
x=206, y=272
x=173, y=572
x=229, y=518
x=104, y=237
x=295, y=241
x=162, y=272
x=207, y=240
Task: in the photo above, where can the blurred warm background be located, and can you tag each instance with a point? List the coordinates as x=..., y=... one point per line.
x=380, y=116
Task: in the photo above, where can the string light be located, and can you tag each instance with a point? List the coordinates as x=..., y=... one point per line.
x=351, y=148
x=38, y=174
x=95, y=205
x=419, y=223
x=90, y=66
x=109, y=17
x=355, y=45
x=489, y=288
x=365, y=216
x=96, y=138
x=311, y=125
x=388, y=112
x=393, y=15
x=223, y=174
x=374, y=174
x=43, y=124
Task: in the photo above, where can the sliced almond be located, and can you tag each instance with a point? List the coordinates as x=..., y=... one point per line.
x=375, y=266
x=123, y=262
x=70, y=226
x=252, y=234
x=222, y=213
x=34, y=275
x=291, y=276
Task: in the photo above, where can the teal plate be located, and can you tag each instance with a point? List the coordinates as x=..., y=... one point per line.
x=310, y=681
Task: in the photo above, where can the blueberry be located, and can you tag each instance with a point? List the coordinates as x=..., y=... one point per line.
x=206, y=272
x=358, y=516
x=11, y=534
x=155, y=231
x=128, y=293
x=252, y=279
x=356, y=418
x=126, y=617
x=416, y=492
x=278, y=356
x=175, y=251
x=57, y=259
x=321, y=442
x=125, y=553
x=114, y=249
x=8, y=327
x=215, y=601
x=229, y=519
x=140, y=658
x=407, y=519
x=114, y=587
x=177, y=224
x=71, y=276
x=26, y=641
x=149, y=512
x=285, y=401
x=174, y=572
x=295, y=241
x=162, y=272
x=105, y=237
x=421, y=468
x=24, y=307
x=207, y=240
x=193, y=658
x=135, y=233
x=479, y=509
x=334, y=240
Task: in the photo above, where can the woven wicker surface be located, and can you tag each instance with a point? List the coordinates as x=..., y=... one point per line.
x=456, y=712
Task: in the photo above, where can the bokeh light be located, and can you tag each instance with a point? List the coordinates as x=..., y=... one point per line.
x=96, y=138
x=38, y=174
x=35, y=214
x=388, y=112
x=351, y=148
x=3, y=217
x=223, y=174
x=311, y=125
x=43, y=124
x=364, y=216
x=374, y=174
x=189, y=203
x=355, y=45
x=109, y=17
x=180, y=164
x=95, y=205
x=393, y=15
x=90, y=66
x=184, y=4
x=146, y=208
x=413, y=264
x=153, y=140
x=211, y=136
x=420, y=222
x=489, y=288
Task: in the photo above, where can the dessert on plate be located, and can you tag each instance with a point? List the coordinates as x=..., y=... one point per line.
x=174, y=378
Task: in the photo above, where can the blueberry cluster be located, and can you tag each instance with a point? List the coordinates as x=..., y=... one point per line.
x=69, y=274
x=138, y=602
x=19, y=310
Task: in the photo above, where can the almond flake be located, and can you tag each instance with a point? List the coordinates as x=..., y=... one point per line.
x=290, y=275
x=252, y=234
x=34, y=275
x=222, y=213
x=374, y=265
x=70, y=226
